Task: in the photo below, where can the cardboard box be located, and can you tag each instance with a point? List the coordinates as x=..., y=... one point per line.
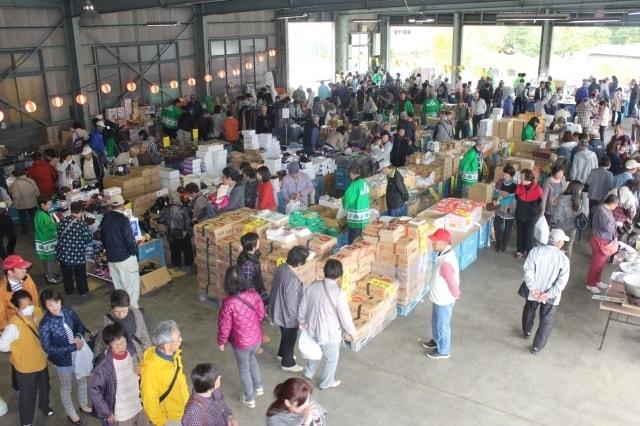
x=362, y=305
x=391, y=233
x=481, y=192
x=154, y=279
x=406, y=246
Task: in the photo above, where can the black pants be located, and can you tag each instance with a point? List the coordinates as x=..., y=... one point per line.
x=616, y=118
x=525, y=236
x=602, y=129
x=547, y=316
x=353, y=234
x=502, y=229
x=26, y=219
x=461, y=130
x=77, y=274
x=476, y=121
x=30, y=386
x=181, y=247
x=8, y=231
x=287, y=344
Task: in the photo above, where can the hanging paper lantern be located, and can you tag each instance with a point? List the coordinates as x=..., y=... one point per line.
x=191, y=81
x=272, y=52
x=154, y=88
x=30, y=106
x=222, y=74
x=132, y=86
x=260, y=58
x=57, y=101
x=235, y=72
x=248, y=66
x=1, y=116
x=81, y=99
x=208, y=78
x=173, y=84
x=106, y=88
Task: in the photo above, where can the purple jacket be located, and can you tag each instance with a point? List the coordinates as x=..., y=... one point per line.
x=103, y=385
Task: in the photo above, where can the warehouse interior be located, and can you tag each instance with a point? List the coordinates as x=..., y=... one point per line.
x=67, y=61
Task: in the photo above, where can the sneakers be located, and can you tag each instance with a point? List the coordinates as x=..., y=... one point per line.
x=526, y=334
x=51, y=281
x=279, y=358
x=293, y=369
x=335, y=384
x=248, y=404
x=437, y=355
x=260, y=391
x=594, y=289
x=48, y=412
x=430, y=345
x=535, y=350
x=602, y=285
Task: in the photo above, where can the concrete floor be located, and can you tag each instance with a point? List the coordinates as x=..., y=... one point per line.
x=491, y=378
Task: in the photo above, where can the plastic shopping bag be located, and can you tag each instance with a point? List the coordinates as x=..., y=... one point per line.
x=309, y=348
x=541, y=230
x=84, y=362
x=293, y=205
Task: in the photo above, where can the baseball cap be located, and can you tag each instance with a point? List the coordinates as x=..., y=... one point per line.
x=441, y=235
x=15, y=261
x=86, y=150
x=631, y=164
x=100, y=123
x=117, y=200
x=384, y=164
x=558, y=235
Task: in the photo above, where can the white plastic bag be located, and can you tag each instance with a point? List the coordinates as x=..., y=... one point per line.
x=293, y=205
x=541, y=231
x=309, y=348
x=84, y=361
x=3, y=407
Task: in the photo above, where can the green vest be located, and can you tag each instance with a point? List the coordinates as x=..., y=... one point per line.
x=356, y=203
x=170, y=116
x=45, y=235
x=431, y=107
x=469, y=167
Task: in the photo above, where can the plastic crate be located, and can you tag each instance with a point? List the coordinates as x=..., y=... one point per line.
x=484, y=235
x=153, y=250
x=468, y=251
x=405, y=310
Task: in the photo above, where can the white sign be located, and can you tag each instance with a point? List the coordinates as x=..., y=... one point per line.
x=285, y=112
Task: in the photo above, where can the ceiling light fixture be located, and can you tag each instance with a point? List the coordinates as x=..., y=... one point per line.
x=89, y=17
x=365, y=21
x=637, y=12
x=520, y=17
x=208, y=78
x=304, y=15
x=30, y=106
x=57, y=101
x=594, y=20
x=154, y=88
x=162, y=24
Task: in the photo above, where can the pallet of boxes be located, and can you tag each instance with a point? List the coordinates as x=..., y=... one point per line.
x=404, y=255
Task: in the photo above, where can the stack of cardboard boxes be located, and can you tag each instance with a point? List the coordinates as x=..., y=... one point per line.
x=141, y=180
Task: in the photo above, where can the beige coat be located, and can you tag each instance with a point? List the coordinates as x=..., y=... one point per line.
x=24, y=192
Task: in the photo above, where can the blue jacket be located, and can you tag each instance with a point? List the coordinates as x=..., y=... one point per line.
x=53, y=336
x=96, y=142
x=117, y=237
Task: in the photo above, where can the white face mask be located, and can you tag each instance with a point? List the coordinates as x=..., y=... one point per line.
x=28, y=311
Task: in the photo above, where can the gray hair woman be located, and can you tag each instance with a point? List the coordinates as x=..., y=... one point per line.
x=163, y=384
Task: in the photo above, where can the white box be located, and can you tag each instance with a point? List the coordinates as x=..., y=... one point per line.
x=167, y=173
x=485, y=127
x=110, y=192
x=273, y=163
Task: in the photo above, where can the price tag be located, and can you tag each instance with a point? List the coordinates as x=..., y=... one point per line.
x=434, y=194
x=194, y=132
x=281, y=261
x=346, y=281
x=166, y=142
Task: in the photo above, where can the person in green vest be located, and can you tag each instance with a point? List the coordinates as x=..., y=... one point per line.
x=431, y=106
x=356, y=203
x=529, y=131
x=404, y=104
x=111, y=148
x=377, y=77
x=210, y=103
x=470, y=168
x=169, y=118
x=45, y=231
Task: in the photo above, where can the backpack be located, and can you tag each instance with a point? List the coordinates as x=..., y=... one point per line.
x=582, y=223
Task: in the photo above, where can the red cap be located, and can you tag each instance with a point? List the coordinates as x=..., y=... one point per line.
x=15, y=261
x=441, y=235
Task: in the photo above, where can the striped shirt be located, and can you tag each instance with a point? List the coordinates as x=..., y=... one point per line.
x=15, y=286
x=127, y=390
x=70, y=337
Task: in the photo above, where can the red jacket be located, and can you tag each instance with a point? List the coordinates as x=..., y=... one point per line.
x=239, y=322
x=266, y=200
x=45, y=176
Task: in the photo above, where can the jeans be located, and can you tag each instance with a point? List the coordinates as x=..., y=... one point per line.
x=30, y=386
x=525, y=236
x=441, y=327
x=547, y=317
x=330, y=356
x=179, y=248
x=353, y=234
x=26, y=219
x=397, y=212
x=126, y=276
x=287, y=344
x=249, y=371
x=502, y=229
x=77, y=273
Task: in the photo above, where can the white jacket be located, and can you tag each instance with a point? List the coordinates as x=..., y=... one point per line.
x=546, y=269
x=439, y=293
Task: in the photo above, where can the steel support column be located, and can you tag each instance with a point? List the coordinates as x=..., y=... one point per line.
x=202, y=50
x=72, y=36
x=545, y=49
x=384, y=41
x=342, y=42
x=456, y=54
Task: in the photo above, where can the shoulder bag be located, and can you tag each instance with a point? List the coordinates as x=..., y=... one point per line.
x=173, y=382
x=333, y=305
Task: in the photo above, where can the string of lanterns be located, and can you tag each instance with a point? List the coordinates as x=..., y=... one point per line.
x=81, y=99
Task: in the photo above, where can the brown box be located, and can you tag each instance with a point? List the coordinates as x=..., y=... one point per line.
x=321, y=244
x=386, y=248
x=154, y=279
x=405, y=246
x=481, y=192
x=143, y=171
x=391, y=233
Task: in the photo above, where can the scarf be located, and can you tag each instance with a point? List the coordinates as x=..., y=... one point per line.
x=532, y=192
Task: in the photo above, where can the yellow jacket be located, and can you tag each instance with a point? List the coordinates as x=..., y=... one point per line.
x=156, y=374
x=7, y=310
